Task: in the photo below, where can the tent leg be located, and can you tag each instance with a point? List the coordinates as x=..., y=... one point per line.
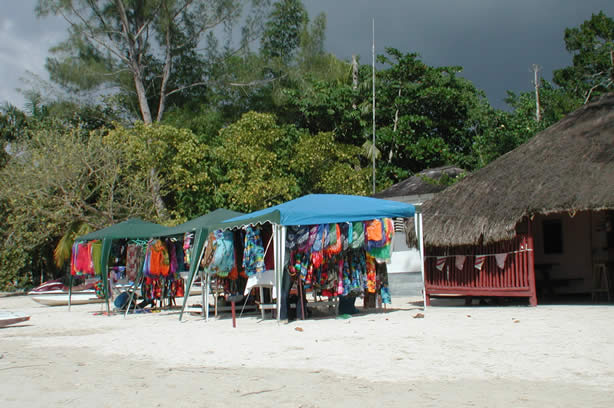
x=278, y=269
x=107, y=288
x=418, y=223
x=245, y=303
x=261, y=291
x=300, y=294
x=206, y=297
x=234, y=314
x=69, y=291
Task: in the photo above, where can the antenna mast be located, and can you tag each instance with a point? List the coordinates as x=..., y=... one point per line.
x=373, y=145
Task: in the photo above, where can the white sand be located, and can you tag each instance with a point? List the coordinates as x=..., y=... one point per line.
x=513, y=356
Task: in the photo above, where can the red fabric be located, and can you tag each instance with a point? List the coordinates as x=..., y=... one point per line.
x=83, y=263
x=269, y=256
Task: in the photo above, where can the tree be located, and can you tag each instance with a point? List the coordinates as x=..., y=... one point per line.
x=185, y=184
x=425, y=115
x=259, y=163
x=252, y=162
x=282, y=32
x=325, y=166
x=592, y=46
x=501, y=131
x=13, y=125
x=58, y=177
x=142, y=46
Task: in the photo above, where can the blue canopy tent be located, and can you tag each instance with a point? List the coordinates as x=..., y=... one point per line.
x=315, y=209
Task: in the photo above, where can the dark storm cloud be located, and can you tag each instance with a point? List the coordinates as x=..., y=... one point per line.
x=496, y=42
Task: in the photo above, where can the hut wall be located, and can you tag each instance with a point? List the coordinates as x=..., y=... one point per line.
x=515, y=279
x=584, y=239
x=566, y=259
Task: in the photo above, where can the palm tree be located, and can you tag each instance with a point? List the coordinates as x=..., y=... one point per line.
x=63, y=249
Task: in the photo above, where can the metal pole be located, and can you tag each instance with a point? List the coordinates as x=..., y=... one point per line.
x=373, y=146
x=207, y=289
x=69, y=290
x=422, y=258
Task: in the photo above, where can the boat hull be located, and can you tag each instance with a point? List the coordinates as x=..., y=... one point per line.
x=8, y=318
x=56, y=299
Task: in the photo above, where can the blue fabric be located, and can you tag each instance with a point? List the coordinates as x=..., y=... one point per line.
x=332, y=208
x=253, y=253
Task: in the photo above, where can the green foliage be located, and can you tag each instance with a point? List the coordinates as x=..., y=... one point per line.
x=177, y=158
x=502, y=131
x=324, y=166
x=13, y=125
x=325, y=106
x=253, y=159
x=592, y=46
x=425, y=115
x=57, y=176
x=282, y=32
x=261, y=164
x=147, y=52
x=201, y=120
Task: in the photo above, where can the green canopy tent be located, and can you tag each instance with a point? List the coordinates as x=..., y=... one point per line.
x=133, y=228
x=200, y=227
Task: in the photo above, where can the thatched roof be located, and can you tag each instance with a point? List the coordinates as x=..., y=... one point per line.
x=568, y=167
x=425, y=182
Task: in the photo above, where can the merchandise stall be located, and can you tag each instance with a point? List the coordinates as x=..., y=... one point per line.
x=327, y=243
x=92, y=252
x=137, y=253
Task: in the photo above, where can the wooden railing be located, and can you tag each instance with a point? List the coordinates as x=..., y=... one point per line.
x=514, y=279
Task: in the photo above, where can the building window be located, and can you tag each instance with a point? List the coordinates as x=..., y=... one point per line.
x=553, y=237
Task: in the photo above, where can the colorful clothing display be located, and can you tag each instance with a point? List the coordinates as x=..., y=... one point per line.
x=219, y=254
x=133, y=258
x=81, y=261
x=341, y=259
x=253, y=253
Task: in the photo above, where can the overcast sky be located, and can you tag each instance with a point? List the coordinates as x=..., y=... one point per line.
x=495, y=41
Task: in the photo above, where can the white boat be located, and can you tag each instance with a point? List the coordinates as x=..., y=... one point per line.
x=7, y=317
x=61, y=298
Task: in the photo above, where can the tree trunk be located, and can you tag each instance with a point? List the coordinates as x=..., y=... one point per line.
x=154, y=185
x=166, y=73
x=354, y=76
x=134, y=56
x=538, y=115
x=142, y=96
x=394, y=129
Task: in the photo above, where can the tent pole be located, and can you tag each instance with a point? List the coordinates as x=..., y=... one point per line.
x=193, y=269
x=278, y=268
x=104, y=263
x=280, y=247
x=135, y=284
x=205, y=282
x=204, y=295
x=418, y=221
x=69, y=290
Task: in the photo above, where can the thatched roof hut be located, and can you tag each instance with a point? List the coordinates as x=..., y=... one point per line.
x=568, y=167
x=421, y=186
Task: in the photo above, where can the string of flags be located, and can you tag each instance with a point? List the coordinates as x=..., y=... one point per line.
x=459, y=260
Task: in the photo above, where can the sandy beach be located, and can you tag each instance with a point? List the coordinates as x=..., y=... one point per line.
x=476, y=356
